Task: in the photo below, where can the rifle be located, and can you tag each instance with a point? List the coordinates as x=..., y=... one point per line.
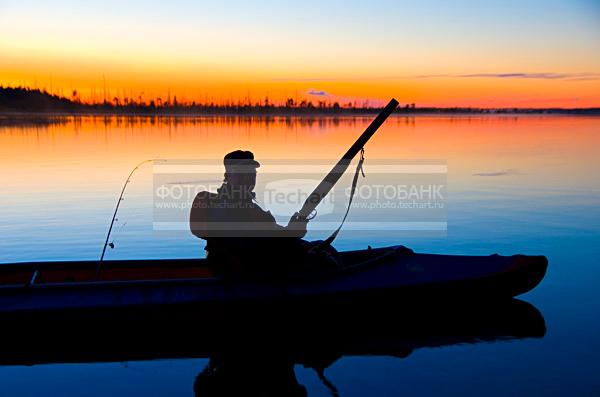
x=338, y=170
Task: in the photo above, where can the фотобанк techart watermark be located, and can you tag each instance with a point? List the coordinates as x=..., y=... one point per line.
x=394, y=197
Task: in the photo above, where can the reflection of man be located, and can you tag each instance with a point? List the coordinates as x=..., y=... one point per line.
x=255, y=375
x=238, y=233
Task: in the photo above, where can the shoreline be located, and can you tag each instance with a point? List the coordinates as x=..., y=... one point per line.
x=302, y=114
x=27, y=101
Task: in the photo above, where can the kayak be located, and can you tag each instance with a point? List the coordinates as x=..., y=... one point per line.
x=388, y=274
x=301, y=336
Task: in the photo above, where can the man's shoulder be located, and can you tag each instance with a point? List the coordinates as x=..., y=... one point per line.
x=204, y=195
x=204, y=200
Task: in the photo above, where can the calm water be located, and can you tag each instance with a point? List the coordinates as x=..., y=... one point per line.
x=526, y=184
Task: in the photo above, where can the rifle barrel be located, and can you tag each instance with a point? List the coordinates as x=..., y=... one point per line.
x=336, y=173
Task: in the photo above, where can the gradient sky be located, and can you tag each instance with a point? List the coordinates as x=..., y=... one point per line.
x=441, y=53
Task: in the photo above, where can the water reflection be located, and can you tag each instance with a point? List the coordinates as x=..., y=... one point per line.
x=60, y=182
x=60, y=179
x=264, y=366
x=291, y=122
x=254, y=352
x=232, y=374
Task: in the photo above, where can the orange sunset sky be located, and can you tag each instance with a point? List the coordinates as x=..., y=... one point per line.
x=433, y=53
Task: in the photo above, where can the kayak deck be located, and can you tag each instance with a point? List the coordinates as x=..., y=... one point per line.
x=417, y=268
x=390, y=273
x=29, y=273
x=118, y=270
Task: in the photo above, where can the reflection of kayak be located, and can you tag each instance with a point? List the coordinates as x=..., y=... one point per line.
x=304, y=336
x=385, y=273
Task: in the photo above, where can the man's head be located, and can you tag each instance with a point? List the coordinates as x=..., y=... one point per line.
x=240, y=169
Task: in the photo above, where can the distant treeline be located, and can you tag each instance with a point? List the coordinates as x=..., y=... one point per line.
x=28, y=100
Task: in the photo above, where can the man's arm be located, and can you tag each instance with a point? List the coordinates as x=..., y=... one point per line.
x=296, y=227
x=199, y=214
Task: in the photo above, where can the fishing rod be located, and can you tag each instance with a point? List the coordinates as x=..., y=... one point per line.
x=112, y=222
x=338, y=170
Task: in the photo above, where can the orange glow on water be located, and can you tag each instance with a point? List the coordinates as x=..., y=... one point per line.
x=60, y=181
x=97, y=150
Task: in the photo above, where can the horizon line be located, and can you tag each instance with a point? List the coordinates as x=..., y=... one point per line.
x=124, y=102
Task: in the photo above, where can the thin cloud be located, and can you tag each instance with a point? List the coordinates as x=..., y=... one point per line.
x=317, y=92
x=519, y=75
x=497, y=173
x=510, y=75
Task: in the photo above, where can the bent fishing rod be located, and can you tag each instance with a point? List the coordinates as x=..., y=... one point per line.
x=114, y=217
x=338, y=170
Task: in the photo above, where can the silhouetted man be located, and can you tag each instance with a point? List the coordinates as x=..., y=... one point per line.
x=241, y=237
